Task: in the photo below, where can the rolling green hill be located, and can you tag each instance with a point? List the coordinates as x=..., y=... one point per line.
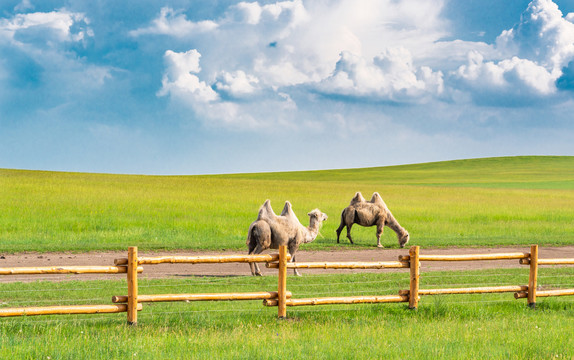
x=477, y=202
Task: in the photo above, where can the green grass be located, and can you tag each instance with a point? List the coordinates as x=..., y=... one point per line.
x=454, y=326
x=481, y=202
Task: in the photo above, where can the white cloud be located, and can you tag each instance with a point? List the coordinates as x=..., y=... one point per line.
x=291, y=42
x=509, y=80
x=236, y=84
x=543, y=36
x=376, y=50
x=45, y=39
x=55, y=26
x=180, y=79
x=174, y=23
x=390, y=76
x=287, y=13
x=532, y=56
x=279, y=73
x=449, y=55
x=267, y=50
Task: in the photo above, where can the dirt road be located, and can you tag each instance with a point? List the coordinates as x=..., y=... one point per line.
x=232, y=269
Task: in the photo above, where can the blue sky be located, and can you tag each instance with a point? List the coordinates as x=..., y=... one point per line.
x=195, y=87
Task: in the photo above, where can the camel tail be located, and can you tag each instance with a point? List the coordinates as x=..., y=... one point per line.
x=249, y=236
x=341, y=225
x=356, y=219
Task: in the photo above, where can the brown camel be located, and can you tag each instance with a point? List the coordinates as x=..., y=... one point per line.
x=270, y=231
x=371, y=213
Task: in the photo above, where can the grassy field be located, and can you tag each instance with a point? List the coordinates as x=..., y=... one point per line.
x=482, y=202
x=494, y=326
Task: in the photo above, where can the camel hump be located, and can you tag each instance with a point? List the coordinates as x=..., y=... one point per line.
x=358, y=198
x=289, y=215
x=377, y=199
x=266, y=211
x=287, y=209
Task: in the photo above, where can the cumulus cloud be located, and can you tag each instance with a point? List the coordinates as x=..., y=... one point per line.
x=271, y=51
x=509, y=81
x=38, y=49
x=533, y=55
x=180, y=77
x=287, y=13
x=54, y=26
x=378, y=51
x=542, y=35
x=237, y=84
x=174, y=23
x=390, y=76
x=211, y=103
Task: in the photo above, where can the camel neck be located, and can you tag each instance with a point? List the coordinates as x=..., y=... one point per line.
x=394, y=225
x=312, y=230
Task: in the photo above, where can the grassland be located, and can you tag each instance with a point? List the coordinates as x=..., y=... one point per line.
x=494, y=326
x=481, y=202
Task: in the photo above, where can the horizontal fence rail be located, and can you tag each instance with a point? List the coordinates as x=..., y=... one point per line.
x=262, y=295
x=134, y=297
x=66, y=270
x=202, y=259
x=65, y=310
x=472, y=290
x=472, y=257
x=545, y=293
x=555, y=261
x=344, y=265
x=282, y=298
x=341, y=300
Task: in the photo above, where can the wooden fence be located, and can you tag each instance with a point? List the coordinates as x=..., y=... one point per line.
x=66, y=309
x=132, y=266
x=133, y=299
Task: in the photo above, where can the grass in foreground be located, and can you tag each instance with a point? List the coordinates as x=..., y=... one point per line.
x=456, y=326
x=482, y=202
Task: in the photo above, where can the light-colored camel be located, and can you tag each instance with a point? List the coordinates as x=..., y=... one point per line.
x=371, y=213
x=270, y=231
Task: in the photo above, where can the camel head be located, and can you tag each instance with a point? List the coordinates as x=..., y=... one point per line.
x=317, y=216
x=404, y=239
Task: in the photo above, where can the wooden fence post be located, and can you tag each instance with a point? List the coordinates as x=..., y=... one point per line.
x=532, y=279
x=282, y=287
x=414, y=279
x=132, y=285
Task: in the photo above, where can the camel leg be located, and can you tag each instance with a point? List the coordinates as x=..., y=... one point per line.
x=292, y=253
x=252, y=247
x=341, y=227
x=379, y=233
x=349, y=233
x=255, y=271
x=294, y=270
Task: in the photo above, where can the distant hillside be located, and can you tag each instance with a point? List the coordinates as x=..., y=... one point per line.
x=552, y=172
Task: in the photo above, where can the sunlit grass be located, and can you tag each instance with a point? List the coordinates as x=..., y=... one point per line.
x=484, y=202
x=448, y=326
